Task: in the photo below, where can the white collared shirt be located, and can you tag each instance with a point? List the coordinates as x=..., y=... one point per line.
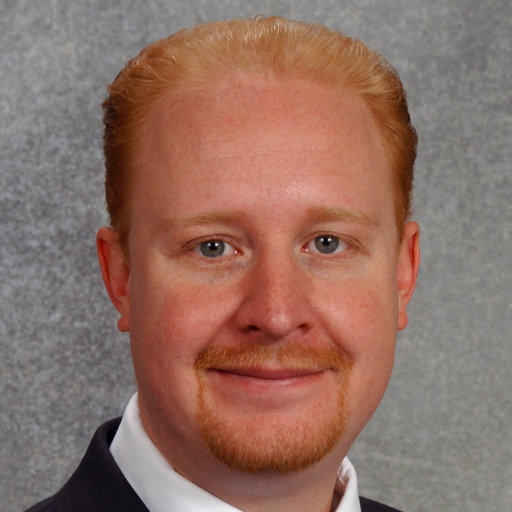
x=162, y=489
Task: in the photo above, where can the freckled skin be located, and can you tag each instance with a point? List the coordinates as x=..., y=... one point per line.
x=267, y=167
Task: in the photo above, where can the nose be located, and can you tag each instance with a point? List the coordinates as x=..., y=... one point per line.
x=275, y=302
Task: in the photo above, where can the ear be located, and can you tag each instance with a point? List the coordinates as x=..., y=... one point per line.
x=116, y=273
x=407, y=271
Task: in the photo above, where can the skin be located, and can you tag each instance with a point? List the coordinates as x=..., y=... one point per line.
x=266, y=166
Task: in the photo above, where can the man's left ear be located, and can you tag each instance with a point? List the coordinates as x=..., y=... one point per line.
x=407, y=271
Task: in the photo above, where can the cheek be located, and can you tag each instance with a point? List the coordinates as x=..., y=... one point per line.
x=366, y=332
x=365, y=327
x=172, y=321
x=166, y=333
x=364, y=316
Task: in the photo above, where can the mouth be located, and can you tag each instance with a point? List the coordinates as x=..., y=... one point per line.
x=264, y=378
x=263, y=367
x=269, y=374
x=267, y=389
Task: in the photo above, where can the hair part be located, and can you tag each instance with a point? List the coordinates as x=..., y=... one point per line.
x=274, y=46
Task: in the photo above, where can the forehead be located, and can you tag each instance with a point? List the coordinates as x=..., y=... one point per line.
x=268, y=106
x=273, y=133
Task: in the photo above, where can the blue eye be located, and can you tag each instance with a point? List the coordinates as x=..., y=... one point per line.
x=326, y=244
x=214, y=248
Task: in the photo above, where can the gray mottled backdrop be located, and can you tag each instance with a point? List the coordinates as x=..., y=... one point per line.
x=442, y=439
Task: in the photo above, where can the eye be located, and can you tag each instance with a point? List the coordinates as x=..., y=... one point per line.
x=326, y=244
x=214, y=248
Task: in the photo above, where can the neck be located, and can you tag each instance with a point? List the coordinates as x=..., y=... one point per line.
x=283, y=494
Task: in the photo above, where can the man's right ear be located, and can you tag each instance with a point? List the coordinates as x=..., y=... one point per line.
x=116, y=273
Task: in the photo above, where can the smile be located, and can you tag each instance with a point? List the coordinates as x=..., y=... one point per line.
x=270, y=374
x=260, y=379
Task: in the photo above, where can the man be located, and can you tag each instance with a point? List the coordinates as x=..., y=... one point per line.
x=258, y=181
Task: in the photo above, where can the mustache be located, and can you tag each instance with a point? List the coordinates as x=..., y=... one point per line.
x=293, y=357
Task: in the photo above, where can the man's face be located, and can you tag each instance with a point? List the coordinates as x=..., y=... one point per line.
x=265, y=281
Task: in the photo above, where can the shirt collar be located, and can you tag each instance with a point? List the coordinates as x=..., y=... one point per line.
x=163, y=490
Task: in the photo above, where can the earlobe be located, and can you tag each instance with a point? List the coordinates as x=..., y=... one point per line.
x=115, y=272
x=407, y=272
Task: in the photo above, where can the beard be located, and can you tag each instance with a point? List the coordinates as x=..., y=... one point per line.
x=271, y=442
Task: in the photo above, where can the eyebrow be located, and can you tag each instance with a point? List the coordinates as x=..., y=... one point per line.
x=315, y=214
x=198, y=220
x=335, y=214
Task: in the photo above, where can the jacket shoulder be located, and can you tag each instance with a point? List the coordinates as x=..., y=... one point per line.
x=97, y=484
x=41, y=506
x=373, y=506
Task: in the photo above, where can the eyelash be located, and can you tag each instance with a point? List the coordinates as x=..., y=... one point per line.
x=341, y=246
x=198, y=247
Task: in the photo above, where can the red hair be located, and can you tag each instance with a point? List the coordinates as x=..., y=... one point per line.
x=193, y=58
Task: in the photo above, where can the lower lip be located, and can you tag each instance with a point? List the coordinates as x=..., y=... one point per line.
x=249, y=394
x=258, y=382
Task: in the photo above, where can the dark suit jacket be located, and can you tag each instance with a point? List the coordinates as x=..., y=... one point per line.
x=98, y=485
